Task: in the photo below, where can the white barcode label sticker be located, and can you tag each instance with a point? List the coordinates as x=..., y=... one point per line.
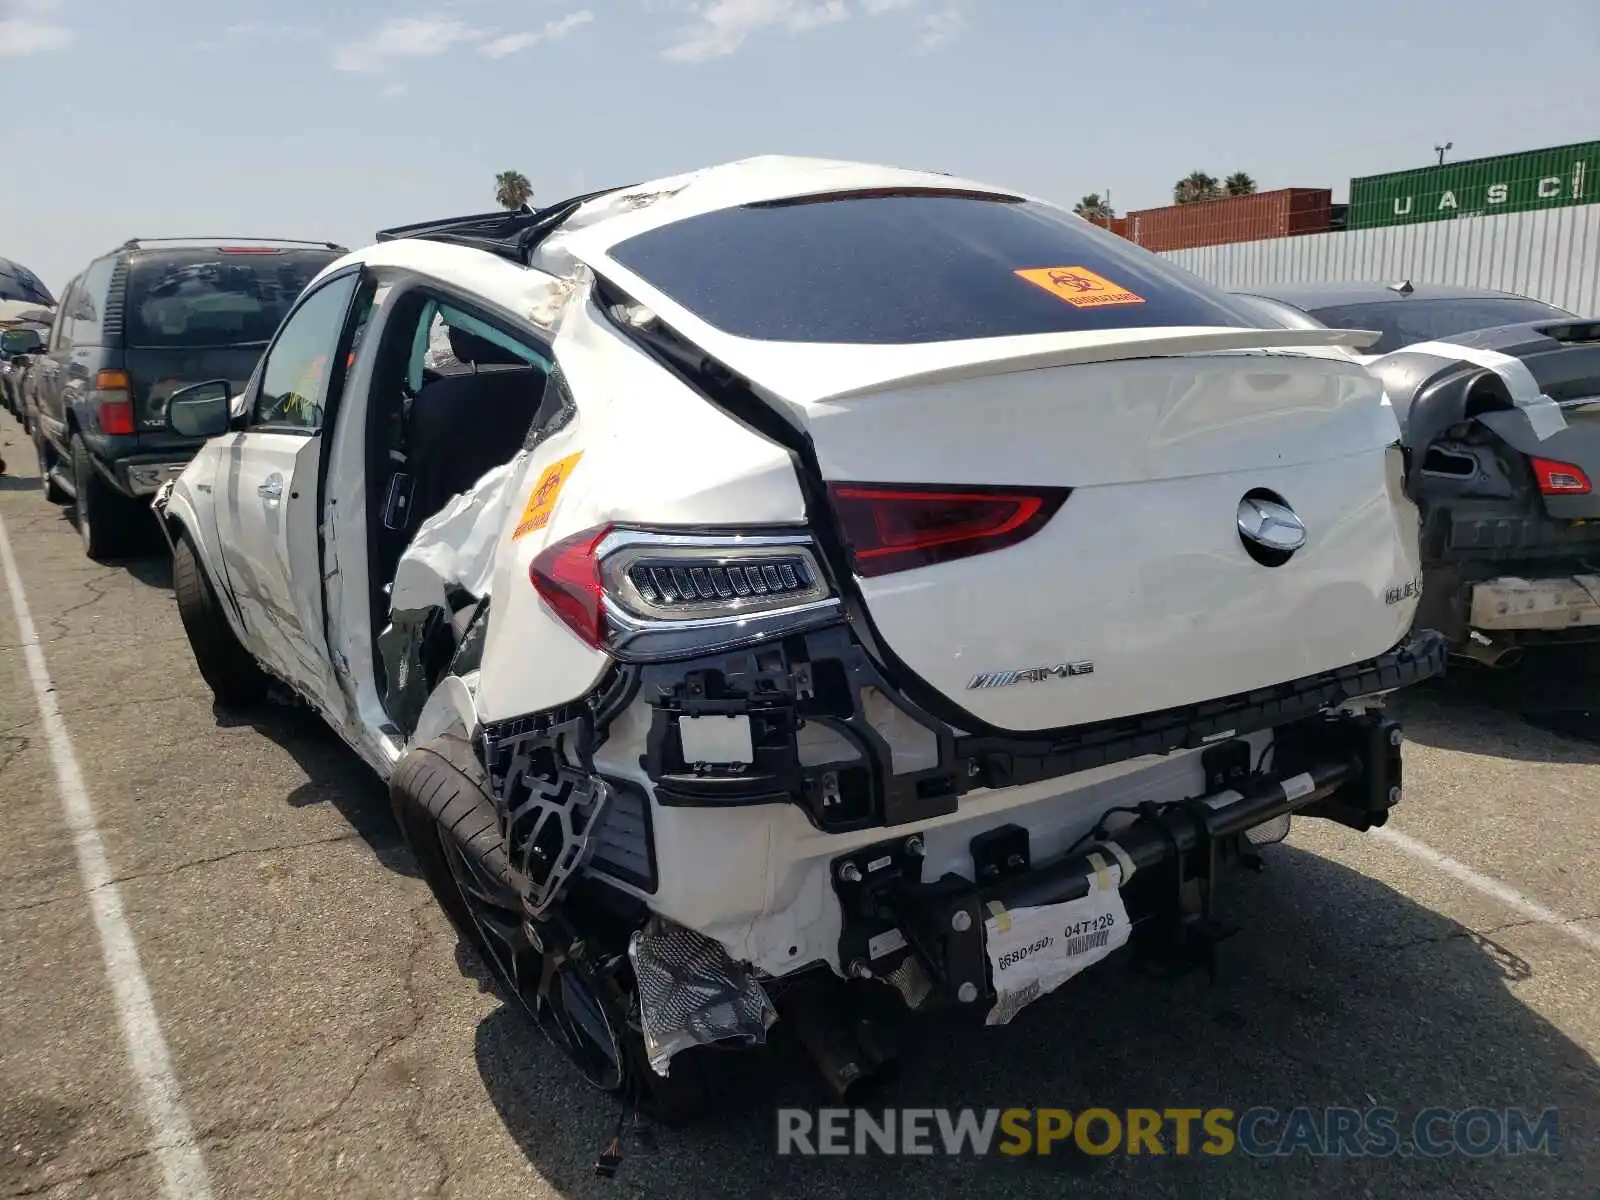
x=1033, y=951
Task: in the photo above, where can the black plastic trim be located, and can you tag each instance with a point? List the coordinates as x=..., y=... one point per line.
x=819, y=678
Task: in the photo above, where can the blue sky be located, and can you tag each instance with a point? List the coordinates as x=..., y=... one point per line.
x=333, y=119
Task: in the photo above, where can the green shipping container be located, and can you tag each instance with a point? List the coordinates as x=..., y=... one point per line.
x=1551, y=178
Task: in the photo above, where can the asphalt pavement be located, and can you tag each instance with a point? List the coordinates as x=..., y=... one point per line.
x=313, y=1028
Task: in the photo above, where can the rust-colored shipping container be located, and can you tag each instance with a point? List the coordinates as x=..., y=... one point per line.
x=1281, y=213
x=1116, y=224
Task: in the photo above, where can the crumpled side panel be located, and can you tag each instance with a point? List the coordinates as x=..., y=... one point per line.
x=692, y=994
x=447, y=566
x=455, y=547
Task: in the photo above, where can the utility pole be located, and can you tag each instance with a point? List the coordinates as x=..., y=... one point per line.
x=1441, y=149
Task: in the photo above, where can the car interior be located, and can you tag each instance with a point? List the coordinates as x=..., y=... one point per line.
x=453, y=397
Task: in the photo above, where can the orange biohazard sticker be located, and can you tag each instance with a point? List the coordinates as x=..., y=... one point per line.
x=542, y=500
x=1080, y=286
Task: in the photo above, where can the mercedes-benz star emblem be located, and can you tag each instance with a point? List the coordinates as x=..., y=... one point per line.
x=1271, y=525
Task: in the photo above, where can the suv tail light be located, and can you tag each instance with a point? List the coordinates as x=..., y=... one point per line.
x=1559, y=478
x=567, y=575
x=113, y=396
x=895, y=527
x=649, y=596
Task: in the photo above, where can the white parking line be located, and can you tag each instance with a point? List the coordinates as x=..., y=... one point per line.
x=1508, y=896
x=172, y=1141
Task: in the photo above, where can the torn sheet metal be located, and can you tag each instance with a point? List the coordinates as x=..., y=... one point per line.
x=692, y=994
x=455, y=547
x=1543, y=413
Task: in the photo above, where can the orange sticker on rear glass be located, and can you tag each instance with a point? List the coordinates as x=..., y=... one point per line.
x=1080, y=286
x=542, y=500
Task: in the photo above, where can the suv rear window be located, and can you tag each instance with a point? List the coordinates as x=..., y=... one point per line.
x=1406, y=322
x=915, y=266
x=195, y=299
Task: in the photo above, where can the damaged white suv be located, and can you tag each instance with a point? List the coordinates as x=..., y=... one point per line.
x=798, y=585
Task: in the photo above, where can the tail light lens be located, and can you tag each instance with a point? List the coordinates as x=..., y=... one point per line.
x=113, y=395
x=567, y=575
x=1559, y=478
x=894, y=527
x=646, y=595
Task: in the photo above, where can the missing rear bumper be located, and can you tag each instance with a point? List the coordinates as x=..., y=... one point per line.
x=1164, y=865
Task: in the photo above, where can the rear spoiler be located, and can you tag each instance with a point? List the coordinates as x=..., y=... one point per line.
x=1004, y=356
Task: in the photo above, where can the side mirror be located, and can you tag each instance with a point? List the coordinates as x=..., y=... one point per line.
x=200, y=410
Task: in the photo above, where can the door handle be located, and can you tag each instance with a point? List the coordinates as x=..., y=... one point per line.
x=272, y=490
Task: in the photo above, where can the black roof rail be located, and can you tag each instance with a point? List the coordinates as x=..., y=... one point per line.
x=139, y=242
x=509, y=234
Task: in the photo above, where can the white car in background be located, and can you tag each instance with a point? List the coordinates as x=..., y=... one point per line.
x=804, y=585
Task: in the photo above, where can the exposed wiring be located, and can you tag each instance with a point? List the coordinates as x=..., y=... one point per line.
x=1099, y=833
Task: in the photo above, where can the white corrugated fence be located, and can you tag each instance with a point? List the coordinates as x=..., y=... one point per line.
x=1552, y=255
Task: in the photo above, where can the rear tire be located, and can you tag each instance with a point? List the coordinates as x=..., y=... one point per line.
x=233, y=675
x=108, y=522
x=450, y=822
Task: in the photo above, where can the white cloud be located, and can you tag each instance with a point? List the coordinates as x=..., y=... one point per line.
x=940, y=28
x=401, y=39
x=720, y=27
x=30, y=27
x=270, y=31
x=500, y=47
x=261, y=33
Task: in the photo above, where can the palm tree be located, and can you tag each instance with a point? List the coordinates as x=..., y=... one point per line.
x=1092, y=208
x=1194, y=187
x=1239, y=184
x=512, y=190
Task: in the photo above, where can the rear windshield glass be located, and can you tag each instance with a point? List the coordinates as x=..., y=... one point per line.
x=1405, y=322
x=215, y=298
x=915, y=267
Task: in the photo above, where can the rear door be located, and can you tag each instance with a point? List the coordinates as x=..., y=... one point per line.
x=269, y=517
x=50, y=374
x=200, y=313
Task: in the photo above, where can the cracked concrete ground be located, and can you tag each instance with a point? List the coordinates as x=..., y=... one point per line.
x=331, y=1039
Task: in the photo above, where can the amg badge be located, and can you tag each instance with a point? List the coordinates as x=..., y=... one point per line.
x=996, y=679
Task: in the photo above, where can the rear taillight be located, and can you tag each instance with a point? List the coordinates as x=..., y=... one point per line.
x=649, y=595
x=1559, y=478
x=895, y=527
x=567, y=575
x=113, y=395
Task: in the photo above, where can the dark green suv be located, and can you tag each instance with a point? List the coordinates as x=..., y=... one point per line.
x=149, y=318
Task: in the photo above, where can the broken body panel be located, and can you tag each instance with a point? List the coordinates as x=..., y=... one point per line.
x=1502, y=429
